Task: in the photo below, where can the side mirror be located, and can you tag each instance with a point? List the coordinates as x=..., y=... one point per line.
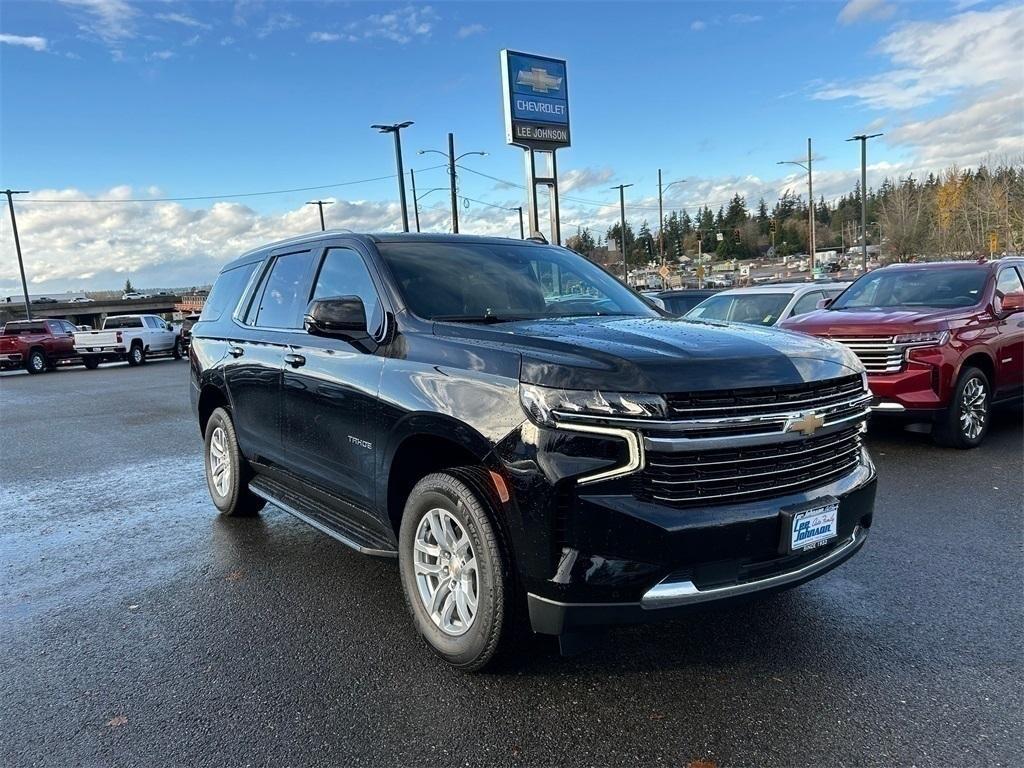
x=1012, y=302
x=824, y=303
x=340, y=316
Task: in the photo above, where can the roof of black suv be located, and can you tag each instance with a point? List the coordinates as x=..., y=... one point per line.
x=381, y=237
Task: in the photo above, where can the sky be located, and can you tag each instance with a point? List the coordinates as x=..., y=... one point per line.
x=131, y=101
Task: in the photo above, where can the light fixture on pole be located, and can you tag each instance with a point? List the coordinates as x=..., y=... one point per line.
x=810, y=200
x=396, y=129
x=661, y=214
x=416, y=200
x=863, y=139
x=452, y=159
x=320, y=204
x=622, y=229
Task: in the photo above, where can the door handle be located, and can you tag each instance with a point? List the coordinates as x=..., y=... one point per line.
x=236, y=351
x=295, y=361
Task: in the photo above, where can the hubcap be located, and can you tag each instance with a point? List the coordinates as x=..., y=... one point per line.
x=973, y=409
x=446, y=575
x=220, y=461
x=38, y=363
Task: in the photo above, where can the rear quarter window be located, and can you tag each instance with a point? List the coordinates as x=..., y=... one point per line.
x=227, y=291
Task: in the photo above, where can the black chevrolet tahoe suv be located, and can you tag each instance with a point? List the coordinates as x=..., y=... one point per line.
x=530, y=439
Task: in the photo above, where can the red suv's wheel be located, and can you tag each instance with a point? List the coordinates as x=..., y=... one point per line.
x=966, y=421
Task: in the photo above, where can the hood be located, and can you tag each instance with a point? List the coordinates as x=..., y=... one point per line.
x=660, y=355
x=880, y=322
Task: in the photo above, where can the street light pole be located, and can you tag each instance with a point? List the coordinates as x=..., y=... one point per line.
x=17, y=246
x=622, y=229
x=415, y=202
x=522, y=230
x=810, y=200
x=452, y=159
x=863, y=139
x=320, y=204
x=396, y=129
x=661, y=215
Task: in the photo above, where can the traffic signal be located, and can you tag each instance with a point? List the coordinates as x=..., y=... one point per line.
x=736, y=234
x=771, y=226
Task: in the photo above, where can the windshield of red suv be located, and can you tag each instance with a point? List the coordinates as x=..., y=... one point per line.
x=926, y=287
x=495, y=282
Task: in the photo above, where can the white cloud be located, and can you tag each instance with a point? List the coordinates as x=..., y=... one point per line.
x=228, y=40
x=34, y=42
x=324, y=37
x=745, y=18
x=469, y=30
x=181, y=18
x=698, y=25
x=194, y=40
x=400, y=26
x=584, y=178
x=160, y=56
x=108, y=20
x=859, y=10
x=277, y=22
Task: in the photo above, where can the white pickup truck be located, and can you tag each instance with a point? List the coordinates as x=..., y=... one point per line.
x=129, y=337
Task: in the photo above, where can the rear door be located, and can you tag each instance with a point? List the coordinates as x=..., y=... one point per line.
x=262, y=332
x=1009, y=340
x=331, y=386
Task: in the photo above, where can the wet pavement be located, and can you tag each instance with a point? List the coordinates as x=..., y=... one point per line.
x=139, y=628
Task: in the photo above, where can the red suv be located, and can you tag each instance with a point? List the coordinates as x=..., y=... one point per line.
x=941, y=342
x=36, y=345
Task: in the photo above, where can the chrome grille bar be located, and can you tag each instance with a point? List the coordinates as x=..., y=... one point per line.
x=879, y=354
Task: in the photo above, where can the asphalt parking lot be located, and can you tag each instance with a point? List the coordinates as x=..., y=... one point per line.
x=138, y=628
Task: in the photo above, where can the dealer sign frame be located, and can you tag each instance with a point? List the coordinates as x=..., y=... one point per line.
x=536, y=100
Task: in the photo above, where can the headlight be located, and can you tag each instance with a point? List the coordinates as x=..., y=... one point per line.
x=542, y=404
x=926, y=339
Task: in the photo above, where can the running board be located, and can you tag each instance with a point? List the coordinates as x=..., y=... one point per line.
x=323, y=518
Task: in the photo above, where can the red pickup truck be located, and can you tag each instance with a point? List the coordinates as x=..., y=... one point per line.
x=36, y=345
x=941, y=342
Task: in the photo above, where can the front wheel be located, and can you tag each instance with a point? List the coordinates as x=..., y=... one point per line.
x=36, y=362
x=91, y=363
x=227, y=472
x=455, y=573
x=136, y=355
x=179, y=349
x=966, y=421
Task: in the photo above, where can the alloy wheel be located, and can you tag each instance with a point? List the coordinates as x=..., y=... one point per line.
x=220, y=461
x=973, y=409
x=446, y=571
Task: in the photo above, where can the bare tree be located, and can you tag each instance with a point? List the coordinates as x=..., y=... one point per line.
x=904, y=218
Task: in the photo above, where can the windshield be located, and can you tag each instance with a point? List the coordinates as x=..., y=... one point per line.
x=23, y=328
x=494, y=282
x=939, y=288
x=751, y=308
x=122, y=322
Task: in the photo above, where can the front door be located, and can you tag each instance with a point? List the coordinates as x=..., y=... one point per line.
x=1010, y=339
x=330, y=389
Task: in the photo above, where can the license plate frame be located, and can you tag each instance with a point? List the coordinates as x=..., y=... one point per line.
x=822, y=512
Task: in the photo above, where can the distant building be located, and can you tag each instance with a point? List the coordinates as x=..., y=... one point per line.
x=191, y=303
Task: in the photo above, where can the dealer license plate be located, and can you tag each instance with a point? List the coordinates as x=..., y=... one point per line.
x=813, y=527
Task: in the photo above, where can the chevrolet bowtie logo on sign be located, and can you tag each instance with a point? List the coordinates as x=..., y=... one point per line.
x=539, y=80
x=805, y=423
x=536, y=100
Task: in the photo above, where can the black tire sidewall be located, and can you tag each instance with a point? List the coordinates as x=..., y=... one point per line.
x=31, y=364
x=953, y=433
x=136, y=355
x=92, y=365
x=179, y=350
x=473, y=649
x=221, y=418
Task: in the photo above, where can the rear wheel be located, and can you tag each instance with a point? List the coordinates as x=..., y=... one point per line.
x=966, y=421
x=455, y=572
x=136, y=355
x=179, y=349
x=91, y=363
x=227, y=472
x=36, y=362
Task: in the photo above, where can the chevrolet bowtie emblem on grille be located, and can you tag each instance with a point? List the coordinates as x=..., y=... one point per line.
x=539, y=80
x=807, y=423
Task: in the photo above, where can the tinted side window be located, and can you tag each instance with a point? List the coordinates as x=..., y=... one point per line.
x=1008, y=282
x=282, y=298
x=344, y=273
x=227, y=291
x=806, y=303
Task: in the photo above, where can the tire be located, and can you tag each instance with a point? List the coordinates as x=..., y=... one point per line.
x=965, y=423
x=456, y=506
x=230, y=494
x=36, y=362
x=179, y=349
x=91, y=363
x=136, y=355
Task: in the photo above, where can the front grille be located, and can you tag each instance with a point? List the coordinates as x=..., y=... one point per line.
x=763, y=400
x=879, y=354
x=749, y=473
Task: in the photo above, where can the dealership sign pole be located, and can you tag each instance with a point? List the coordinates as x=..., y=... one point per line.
x=536, y=98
